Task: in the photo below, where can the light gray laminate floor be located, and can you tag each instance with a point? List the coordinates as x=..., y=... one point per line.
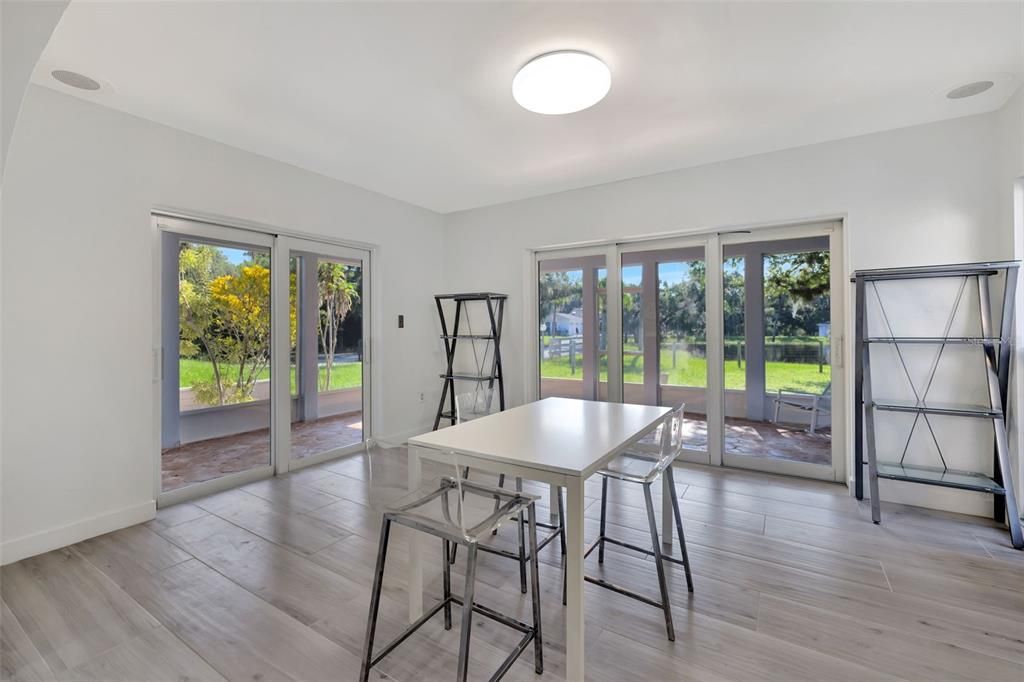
x=271, y=582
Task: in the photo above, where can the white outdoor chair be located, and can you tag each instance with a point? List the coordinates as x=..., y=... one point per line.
x=817, y=404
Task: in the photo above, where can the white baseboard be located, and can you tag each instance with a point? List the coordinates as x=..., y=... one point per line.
x=62, y=536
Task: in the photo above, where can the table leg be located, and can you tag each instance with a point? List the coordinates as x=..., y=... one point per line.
x=553, y=504
x=415, y=547
x=667, y=519
x=574, y=613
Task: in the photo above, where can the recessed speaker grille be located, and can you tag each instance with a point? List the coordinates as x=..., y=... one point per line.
x=75, y=80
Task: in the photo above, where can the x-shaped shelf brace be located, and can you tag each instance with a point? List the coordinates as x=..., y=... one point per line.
x=920, y=397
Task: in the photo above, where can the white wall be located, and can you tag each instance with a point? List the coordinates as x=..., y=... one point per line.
x=926, y=194
x=78, y=301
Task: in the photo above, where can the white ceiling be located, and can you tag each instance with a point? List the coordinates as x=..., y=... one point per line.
x=413, y=100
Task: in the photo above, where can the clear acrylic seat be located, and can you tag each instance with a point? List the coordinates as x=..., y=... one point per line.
x=459, y=513
x=644, y=462
x=478, y=403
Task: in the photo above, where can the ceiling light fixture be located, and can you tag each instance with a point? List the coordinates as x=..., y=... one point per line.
x=561, y=82
x=75, y=80
x=969, y=90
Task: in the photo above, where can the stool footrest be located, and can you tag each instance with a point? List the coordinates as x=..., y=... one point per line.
x=528, y=632
x=635, y=548
x=509, y=554
x=623, y=591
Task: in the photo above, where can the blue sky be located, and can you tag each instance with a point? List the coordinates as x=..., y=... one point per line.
x=236, y=256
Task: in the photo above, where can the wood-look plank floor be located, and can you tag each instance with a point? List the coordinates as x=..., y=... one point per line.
x=271, y=582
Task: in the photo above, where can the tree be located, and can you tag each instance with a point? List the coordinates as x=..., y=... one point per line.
x=796, y=291
x=557, y=293
x=804, y=276
x=336, y=293
x=224, y=317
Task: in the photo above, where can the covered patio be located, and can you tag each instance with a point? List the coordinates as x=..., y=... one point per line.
x=209, y=459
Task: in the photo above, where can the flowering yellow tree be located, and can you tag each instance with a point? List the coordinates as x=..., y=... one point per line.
x=225, y=318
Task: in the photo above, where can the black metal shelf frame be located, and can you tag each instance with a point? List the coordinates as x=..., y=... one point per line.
x=996, y=350
x=494, y=376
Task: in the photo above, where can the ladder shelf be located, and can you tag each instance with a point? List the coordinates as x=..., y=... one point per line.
x=488, y=369
x=995, y=344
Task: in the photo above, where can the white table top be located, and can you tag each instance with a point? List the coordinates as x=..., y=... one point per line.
x=574, y=437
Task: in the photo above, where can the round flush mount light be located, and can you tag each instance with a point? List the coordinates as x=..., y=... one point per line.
x=75, y=80
x=969, y=90
x=561, y=82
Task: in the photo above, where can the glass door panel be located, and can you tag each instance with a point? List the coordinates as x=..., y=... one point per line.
x=572, y=338
x=326, y=297
x=777, y=354
x=664, y=337
x=633, y=334
x=216, y=331
x=682, y=345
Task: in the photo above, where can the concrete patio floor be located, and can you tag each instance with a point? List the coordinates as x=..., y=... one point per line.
x=210, y=459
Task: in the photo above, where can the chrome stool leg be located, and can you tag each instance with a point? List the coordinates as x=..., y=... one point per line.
x=659, y=561
x=467, y=613
x=522, y=541
x=378, y=580
x=679, y=528
x=446, y=573
x=538, y=641
x=561, y=518
x=604, y=509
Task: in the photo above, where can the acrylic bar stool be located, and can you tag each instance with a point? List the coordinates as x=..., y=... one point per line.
x=644, y=464
x=473, y=405
x=416, y=515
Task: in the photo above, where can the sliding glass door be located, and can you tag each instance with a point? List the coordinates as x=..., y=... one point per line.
x=664, y=335
x=327, y=291
x=743, y=329
x=216, y=319
x=777, y=349
x=263, y=355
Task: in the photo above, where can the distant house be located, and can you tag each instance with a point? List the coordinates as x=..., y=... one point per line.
x=568, y=324
x=825, y=329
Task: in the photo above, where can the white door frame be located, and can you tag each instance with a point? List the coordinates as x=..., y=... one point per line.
x=284, y=249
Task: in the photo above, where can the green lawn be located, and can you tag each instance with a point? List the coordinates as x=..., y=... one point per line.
x=348, y=375
x=691, y=371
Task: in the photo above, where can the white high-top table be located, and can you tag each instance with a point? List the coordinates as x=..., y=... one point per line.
x=557, y=441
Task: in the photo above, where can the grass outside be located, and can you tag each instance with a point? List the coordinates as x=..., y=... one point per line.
x=346, y=375
x=690, y=371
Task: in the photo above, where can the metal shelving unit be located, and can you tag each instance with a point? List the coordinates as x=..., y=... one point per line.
x=487, y=362
x=996, y=352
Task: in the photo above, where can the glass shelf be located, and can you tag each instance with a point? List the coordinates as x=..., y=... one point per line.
x=961, y=340
x=948, y=478
x=948, y=409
